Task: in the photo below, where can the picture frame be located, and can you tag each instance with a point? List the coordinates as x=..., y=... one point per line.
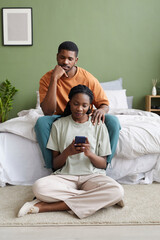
x=17, y=26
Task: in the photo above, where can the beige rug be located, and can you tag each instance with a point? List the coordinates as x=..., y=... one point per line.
x=142, y=206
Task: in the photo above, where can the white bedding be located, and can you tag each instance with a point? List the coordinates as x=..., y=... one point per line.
x=140, y=132
x=21, y=161
x=142, y=170
x=141, y=135
x=138, y=149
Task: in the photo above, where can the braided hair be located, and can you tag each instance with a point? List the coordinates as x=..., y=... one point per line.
x=78, y=89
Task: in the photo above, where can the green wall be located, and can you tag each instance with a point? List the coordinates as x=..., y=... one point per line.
x=116, y=38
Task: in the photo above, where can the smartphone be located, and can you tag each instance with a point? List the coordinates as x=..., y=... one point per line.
x=80, y=139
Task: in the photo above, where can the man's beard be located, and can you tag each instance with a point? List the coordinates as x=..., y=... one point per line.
x=67, y=70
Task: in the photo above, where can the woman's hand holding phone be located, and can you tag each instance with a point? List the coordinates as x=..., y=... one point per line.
x=82, y=145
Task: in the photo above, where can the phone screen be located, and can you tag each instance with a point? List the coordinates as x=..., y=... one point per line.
x=80, y=139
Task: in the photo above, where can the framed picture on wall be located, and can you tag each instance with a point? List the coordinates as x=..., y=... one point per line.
x=17, y=27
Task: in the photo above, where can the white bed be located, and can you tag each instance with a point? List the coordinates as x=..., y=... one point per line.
x=137, y=158
x=21, y=161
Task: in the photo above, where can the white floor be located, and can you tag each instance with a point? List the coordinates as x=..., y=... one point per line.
x=147, y=232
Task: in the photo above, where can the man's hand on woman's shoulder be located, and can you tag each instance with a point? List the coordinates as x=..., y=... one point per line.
x=99, y=114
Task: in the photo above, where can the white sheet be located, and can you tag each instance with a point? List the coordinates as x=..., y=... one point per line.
x=21, y=161
x=141, y=135
x=142, y=170
x=23, y=125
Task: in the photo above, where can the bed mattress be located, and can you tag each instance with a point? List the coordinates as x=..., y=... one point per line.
x=21, y=161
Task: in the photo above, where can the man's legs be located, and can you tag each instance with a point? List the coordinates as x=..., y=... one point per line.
x=113, y=127
x=42, y=130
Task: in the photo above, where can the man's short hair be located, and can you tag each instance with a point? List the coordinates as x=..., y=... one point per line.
x=68, y=45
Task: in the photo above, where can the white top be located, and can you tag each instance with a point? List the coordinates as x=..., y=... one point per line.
x=62, y=134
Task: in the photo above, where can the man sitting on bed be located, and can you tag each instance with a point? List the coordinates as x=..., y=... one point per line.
x=54, y=88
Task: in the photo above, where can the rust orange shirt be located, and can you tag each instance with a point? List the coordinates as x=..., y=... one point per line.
x=64, y=86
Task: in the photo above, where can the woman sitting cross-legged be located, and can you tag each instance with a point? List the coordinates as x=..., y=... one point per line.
x=79, y=184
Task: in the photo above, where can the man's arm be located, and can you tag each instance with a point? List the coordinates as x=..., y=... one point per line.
x=99, y=114
x=49, y=103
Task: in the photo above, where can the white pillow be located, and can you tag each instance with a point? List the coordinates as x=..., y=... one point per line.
x=130, y=101
x=117, y=98
x=112, y=85
x=38, y=100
